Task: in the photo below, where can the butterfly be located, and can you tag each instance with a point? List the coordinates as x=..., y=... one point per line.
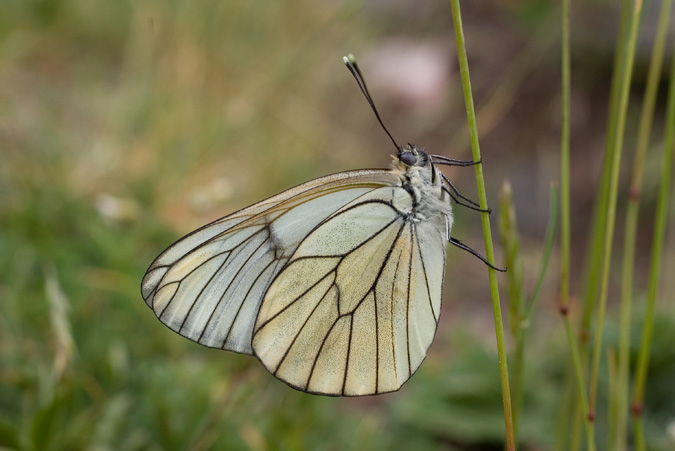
x=334, y=285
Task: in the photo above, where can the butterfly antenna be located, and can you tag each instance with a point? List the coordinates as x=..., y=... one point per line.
x=350, y=62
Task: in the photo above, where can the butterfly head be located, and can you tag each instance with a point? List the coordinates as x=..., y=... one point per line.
x=410, y=156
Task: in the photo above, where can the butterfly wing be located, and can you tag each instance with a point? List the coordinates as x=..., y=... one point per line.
x=208, y=286
x=355, y=309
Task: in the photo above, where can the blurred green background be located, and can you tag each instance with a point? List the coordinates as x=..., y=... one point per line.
x=125, y=125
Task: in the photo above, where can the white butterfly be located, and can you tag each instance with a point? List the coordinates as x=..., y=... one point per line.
x=334, y=285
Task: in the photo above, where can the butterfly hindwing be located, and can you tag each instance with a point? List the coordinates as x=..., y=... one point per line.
x=209, y=285
x=355, y=309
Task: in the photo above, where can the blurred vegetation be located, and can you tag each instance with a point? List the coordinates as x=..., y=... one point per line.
x=124, y=125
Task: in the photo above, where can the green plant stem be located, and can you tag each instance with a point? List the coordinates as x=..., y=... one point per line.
x=613, y=390
x=508, y=233
x=579, y=375
x=549, y=241
x=567, y=410
x=631, y=225
x=579, y=413
x=594, y=257
x=655, y=263
x=487, y=233
x=526, y=316
x=520, y=312
x=594, y=249
x=518, y=367
x=565, y=220
x=611, y=204
x=565, y=160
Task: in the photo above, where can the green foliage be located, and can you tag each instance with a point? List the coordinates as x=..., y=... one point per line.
x=460, y=403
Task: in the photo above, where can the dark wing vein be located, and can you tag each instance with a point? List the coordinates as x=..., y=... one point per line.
x=215, y=255
x=300, y=296
x=213, y=276
x=351, y=314
x=288, y=349
x=234, y=277
x=349, y=346
x=275, y=261
x=377, y=343
x=407, y=317
x=424, y=271
x=312, y=257
x=243, y=243
x=391, y=309
x=318, y=354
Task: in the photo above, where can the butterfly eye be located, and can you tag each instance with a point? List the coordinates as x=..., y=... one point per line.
x=408, y=158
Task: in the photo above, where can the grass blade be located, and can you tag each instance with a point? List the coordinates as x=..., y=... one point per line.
x=611, y=204
x=655, y=263
x=487, y=233
x=632, y=215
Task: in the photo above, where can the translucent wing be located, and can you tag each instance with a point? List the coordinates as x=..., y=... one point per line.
x=356, y=307
x=208, y=286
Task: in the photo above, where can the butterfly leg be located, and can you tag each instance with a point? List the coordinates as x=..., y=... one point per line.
x=463, y=204
x=471, y=204
x=440, y=159
x=463, y=246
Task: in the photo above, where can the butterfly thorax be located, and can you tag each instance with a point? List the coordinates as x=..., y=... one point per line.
x=421, y=179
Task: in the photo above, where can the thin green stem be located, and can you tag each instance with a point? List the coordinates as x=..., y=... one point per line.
x=631, y=226
x=520, y=312
x=565, y=218
x=594, y=250
x=579, y=375
x=655, y=263
x=567, y=411
x=578, y=414
x=565, y=160
x=612, y=388
x=487, y=233
x=600, y=209
x=549, y=241
x=612, y=201
x=525, y=319
x=508, y=233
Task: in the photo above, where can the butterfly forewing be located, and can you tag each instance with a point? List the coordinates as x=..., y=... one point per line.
x=355, y=309
x=209, y=285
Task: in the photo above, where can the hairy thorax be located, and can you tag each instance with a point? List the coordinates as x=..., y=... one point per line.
x=424, y=185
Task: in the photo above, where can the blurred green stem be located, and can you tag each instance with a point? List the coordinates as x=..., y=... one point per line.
x=632, y=214
x=508, y=233
x=578, y=371
x=565, y=221
x=487, y=233
x=594, y=248
x=565, y=159
x=520, y=312
x=626, y=71
x=613, y=389
x=549, y=241
x=594, y=257
x=568, y=408
x=655, y=263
